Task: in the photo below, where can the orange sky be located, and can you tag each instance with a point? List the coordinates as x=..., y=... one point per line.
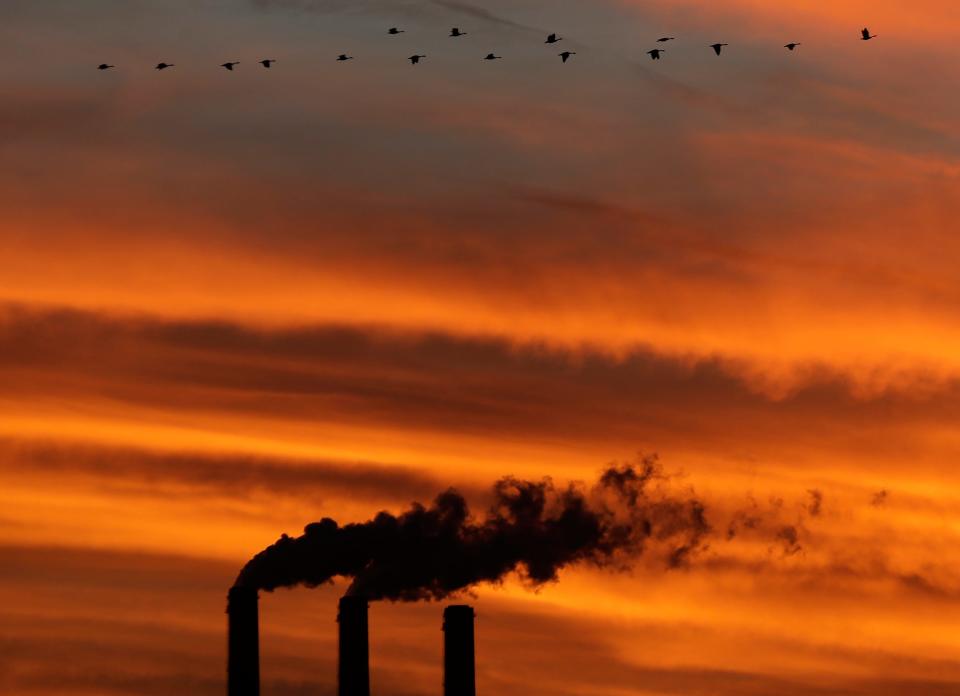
x=231, y=304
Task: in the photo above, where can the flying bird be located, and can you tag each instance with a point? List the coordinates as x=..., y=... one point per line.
x=415, y=58
x=655, y=53
x=490, y=56
x=456, y=32
x=566, y=55
x=105, y=66
x=553, y=38
x=394, y=30
x=164, y=66
x=792, y=45
x=666, y=38
x=229, y=64
x=343, y=57
x=717, y=47
x=267, y=62
x=865, y=35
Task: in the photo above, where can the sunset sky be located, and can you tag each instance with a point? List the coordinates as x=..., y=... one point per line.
x=234, y=303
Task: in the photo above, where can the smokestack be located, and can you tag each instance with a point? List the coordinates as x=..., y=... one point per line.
x=353, y=671
x=459, y=670
x=243, y=642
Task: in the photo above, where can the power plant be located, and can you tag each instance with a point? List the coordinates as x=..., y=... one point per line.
x=353, y=662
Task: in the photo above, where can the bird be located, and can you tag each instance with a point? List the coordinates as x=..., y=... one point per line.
x=792, y=45
x=415, y=58
x=553, y=38
x=865, y=35
x=491, y=56
x=229, y=64
x=105, y=66
x=566, y=55
x=717, y=47
x=456, y=32
x=344, y=56
x=655, y=53
x=267, y=62
x=164, y=66
x=666, y=38
x=394, y=30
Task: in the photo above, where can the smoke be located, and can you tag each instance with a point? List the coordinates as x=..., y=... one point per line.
x=532, y=528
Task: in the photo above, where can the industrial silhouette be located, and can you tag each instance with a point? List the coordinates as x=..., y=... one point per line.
x=353, y=664
x=459, y=667
x=353, y=660
x=243, y=642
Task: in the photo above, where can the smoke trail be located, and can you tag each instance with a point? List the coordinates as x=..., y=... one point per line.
x=534, y=528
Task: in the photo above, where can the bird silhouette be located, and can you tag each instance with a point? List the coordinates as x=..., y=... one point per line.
x=344, y=56
x=415, y=58
x=865, y=35
x=394, y=30
x=792, y=45
x=655, y=53
x=456, y=32
x=491, y=56
x=267, y=62
x=164, y=66
x=717, y=47
x=553, y=38
x=105, y=66
x=666, y=38
x=229, y=64
x=565, y=56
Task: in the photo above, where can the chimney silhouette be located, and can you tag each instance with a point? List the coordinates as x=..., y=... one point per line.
x=459, y=669
x=353, y=670
x=243, y=642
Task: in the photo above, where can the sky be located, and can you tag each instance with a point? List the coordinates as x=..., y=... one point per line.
x=234, y=303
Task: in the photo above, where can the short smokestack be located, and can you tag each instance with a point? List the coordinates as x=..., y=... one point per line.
x=243, y=642
x=459, y=668
x=353, y=670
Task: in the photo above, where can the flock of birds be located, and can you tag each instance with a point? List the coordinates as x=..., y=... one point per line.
x=455, y=32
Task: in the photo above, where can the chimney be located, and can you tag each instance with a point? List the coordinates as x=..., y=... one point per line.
x=459, y=671
x=243, y=642
x=353, y=670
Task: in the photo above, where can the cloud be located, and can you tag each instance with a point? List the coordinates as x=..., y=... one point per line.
x=235, y=475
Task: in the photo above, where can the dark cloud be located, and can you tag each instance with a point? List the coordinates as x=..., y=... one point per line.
x=534, y=528
x=815, y=505
x=370, y=374
x=238, y=476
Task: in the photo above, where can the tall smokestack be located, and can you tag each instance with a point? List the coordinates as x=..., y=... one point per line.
x=459, y=670
x=243, y=642
x=353, y=671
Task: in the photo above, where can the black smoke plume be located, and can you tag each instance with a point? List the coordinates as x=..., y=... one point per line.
x=532, y=528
